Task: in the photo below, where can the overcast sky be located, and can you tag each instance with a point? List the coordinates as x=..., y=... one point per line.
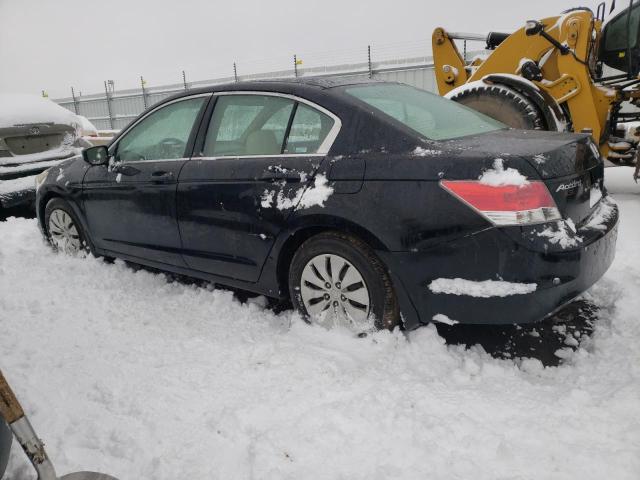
x=55, y=44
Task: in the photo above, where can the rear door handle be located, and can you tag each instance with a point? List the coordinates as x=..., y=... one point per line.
x=288, y=177
x=161, y=176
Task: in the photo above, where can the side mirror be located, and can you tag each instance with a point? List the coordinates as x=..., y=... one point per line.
x=96, y=155
x=533, y=27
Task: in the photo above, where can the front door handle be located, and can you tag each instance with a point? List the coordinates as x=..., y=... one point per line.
x=127, y=170
x=161, y=176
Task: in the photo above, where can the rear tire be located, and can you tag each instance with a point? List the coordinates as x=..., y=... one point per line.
x=503, y=104
x=62, y=228
x=318, y=269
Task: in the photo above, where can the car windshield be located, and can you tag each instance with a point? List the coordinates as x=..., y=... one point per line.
x=432, y=116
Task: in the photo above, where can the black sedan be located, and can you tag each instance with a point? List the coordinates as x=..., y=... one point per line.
x=368, y=204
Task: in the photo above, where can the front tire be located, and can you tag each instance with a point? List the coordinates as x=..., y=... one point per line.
x=336, y=279
x=62, y=228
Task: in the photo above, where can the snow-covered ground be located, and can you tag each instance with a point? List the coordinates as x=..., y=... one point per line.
x=126, y=372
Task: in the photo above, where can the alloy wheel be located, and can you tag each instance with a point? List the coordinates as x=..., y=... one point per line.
x=63, y=232
x=334, y=293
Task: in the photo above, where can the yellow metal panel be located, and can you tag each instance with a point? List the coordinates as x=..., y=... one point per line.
x=567, y=78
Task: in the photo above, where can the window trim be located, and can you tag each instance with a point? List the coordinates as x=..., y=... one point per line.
x=114, y=145
x=324, y=147
x=323, y=150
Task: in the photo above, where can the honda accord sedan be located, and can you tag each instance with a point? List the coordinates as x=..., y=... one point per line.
x=369, y=205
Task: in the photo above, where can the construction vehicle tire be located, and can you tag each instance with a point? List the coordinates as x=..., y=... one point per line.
x=503, y=104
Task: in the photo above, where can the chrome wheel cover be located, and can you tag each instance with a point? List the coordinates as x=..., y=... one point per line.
x=334, y=293
x=63, y=232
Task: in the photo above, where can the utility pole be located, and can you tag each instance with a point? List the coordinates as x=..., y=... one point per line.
x=75, y=101
x=295, y=65
x=144, y=92
x=184, y=81
x=369, y=60
x=235, y=72
x=106, y=92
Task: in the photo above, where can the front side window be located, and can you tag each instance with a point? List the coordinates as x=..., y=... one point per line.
x=163, y=135
x=429, y=115
x=248, y=125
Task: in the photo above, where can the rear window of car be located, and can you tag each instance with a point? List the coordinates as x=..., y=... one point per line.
x=434, y=117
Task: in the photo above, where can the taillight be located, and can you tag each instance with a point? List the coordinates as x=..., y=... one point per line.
x=507, y=204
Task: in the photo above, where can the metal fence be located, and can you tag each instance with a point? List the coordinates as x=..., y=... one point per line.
x=115, y=109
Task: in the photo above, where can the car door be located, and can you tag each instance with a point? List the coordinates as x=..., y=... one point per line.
x=257, y=154
x=130, y=205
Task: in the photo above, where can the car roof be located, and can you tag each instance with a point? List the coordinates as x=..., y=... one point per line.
x=297, y=86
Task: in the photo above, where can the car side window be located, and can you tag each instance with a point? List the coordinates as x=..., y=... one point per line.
x=308, y=130
x=248, y=125
x=163, y=135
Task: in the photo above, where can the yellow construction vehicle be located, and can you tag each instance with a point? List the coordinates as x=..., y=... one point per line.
x=549, y=75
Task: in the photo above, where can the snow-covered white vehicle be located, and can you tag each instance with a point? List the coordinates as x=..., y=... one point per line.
x=94, y=136
x=35, y=134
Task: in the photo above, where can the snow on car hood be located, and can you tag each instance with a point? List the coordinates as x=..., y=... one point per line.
x=22, y=109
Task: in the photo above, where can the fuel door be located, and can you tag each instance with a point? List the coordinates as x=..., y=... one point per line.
x=346, y=173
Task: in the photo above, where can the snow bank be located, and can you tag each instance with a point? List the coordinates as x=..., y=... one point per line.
x=499, y=176
x=132, y=374
x=19, y=109
x=484, y=289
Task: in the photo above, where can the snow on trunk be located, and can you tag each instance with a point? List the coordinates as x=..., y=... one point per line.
x=499, y=176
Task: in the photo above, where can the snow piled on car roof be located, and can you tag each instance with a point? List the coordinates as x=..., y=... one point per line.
x=23, y=109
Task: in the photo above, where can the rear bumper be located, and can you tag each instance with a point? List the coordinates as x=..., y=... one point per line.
x=17, y=182
x=18, y=192
x=518, y=256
